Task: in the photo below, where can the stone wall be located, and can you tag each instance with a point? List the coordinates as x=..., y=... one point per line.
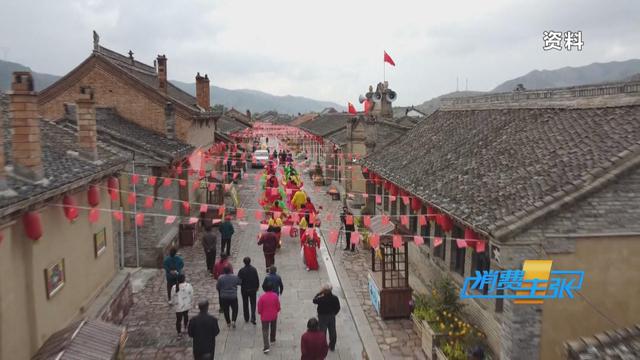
x=119, y=304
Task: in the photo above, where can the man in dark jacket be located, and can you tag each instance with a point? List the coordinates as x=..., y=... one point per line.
x=328, y=308
x=348, y=228
x=227, y=287
x=203, y=328
x=226, y=231
x=274, y=279
x=269, y=242
x=249, y=287
x=173, y=266
x=209, y=242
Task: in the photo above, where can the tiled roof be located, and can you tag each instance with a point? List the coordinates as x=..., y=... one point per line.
x=339, y=137
x=115, y=130
x=389, y=131
x=326, y=124
x=492, y=167
x=82, y=340
x=147, y=74
x=619, y=344
x=61, y=166
x=228, y=125
x=302, y=119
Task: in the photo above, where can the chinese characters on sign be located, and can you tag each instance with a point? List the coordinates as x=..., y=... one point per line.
x=553, y=40
x=515, y=284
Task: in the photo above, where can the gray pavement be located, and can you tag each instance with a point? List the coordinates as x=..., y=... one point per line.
x=151, y=321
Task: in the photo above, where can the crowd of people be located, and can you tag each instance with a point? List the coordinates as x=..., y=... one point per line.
x=286, y=205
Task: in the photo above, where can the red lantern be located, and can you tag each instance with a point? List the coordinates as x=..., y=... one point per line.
x=112, y=185
x=416, y=204
x=387, y=186
x=445, y=222
x=32, y=225
x=70, y=208
x=469, y=234
x=93, y=196
x=394, y=190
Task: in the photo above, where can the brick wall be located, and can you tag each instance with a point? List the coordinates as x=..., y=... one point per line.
x=119, y=304
x=110, y=91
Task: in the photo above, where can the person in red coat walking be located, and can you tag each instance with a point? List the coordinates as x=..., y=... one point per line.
x=268, y=308
x=314, y=342
x=310, y=241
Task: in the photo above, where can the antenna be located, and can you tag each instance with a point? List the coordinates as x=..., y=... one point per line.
x=457, y=88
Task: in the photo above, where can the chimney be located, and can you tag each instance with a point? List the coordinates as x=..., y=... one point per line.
x=170, y=120
x=162, y=73
x=202, y=91
x=87, y=127
x=25, y=121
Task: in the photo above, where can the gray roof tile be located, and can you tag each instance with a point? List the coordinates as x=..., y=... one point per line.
x=484, y=166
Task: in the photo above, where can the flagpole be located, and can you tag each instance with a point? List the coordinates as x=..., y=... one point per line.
x=384, y=75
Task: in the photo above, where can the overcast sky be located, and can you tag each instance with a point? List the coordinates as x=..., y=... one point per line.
x=323, y=49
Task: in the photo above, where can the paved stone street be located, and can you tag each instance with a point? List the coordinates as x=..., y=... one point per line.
x=151, y=322
x=396, y=339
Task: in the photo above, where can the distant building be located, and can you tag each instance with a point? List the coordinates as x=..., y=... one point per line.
x=550, y=174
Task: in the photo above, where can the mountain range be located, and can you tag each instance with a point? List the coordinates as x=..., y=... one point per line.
x=256, y=101
x=595, y=73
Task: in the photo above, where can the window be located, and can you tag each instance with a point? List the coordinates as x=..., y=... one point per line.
x=403, y=207
x=457, y=254
x=440, y=250
x=394, y=207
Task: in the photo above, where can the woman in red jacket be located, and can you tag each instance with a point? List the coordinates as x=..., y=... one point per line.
x=314, y=342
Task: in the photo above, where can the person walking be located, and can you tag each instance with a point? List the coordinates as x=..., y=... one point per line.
x=210, y=243
x=269, y=242
x=313, y=343
x=173, y=265
x=226, y=231
x=310, y=241
x=328, y=308
x=183, y=302
x=348, y=228
x=227, y=287
x=274, y=280
x=203, y=328
x=218, y=268
x=248, y=289
x=268, y=308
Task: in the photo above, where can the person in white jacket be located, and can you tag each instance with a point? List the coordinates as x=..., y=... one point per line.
x=182, y=300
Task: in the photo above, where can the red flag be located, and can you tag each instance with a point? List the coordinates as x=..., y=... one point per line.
x=418, y=240
x=352, y=109
x=333, y=236
x=367, y=106
x=437, y=241
x=374, y=240
x=240, y=213
x=388, y=59
x=397, y=241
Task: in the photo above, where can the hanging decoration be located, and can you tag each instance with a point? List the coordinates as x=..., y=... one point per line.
x=93, y=196
x=32, y=225
x=94, y=215
x=70, y=208
x=114, y=188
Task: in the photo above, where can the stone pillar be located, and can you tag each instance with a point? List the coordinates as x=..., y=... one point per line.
x=87, y=127
x=170, y=120
x=162, y=73
x=25, y=122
